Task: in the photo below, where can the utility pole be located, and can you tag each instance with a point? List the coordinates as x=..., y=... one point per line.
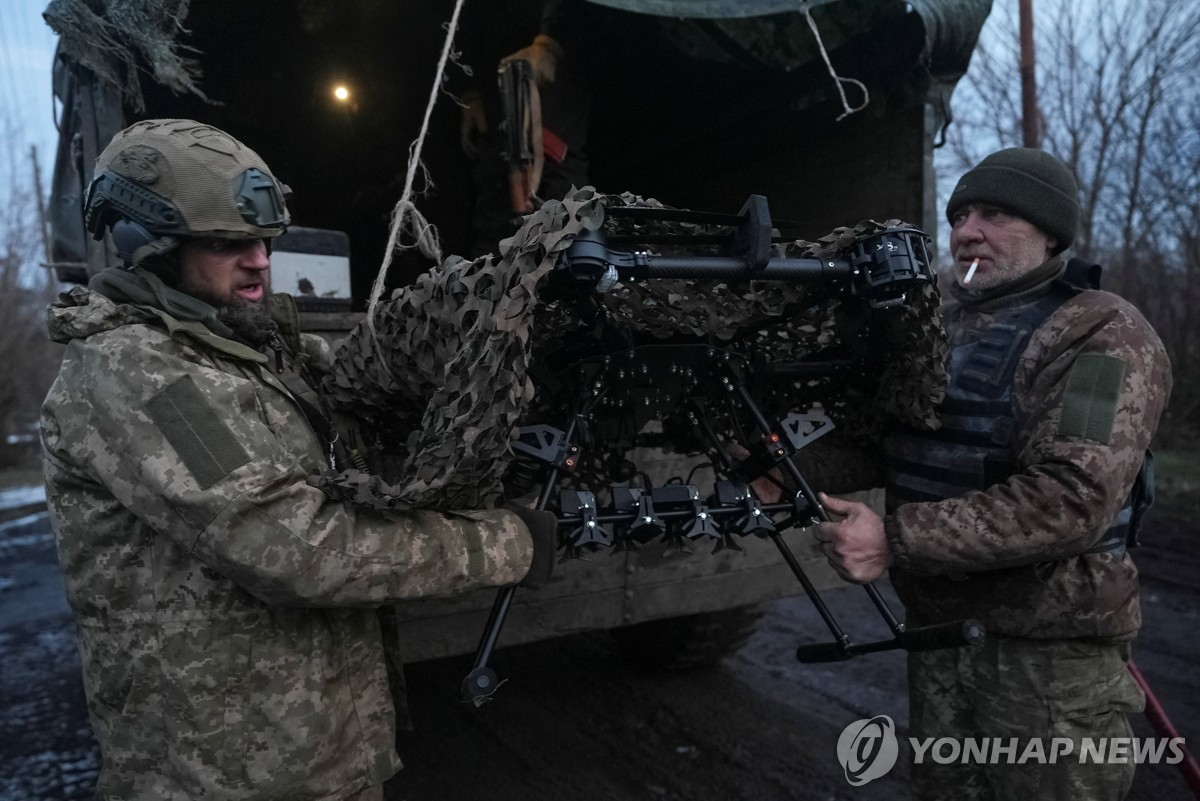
x=43, y=228
x=1030, y=118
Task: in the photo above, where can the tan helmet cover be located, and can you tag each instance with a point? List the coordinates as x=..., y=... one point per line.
x=184, y=178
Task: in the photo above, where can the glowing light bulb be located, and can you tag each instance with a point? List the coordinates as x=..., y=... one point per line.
x=341, y=93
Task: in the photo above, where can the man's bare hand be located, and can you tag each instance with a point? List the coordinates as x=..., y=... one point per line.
x=856, y=545
x=542, y=54
x=768, y=488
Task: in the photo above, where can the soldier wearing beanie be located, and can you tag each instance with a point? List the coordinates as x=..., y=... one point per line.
x=1018, y=509
x=1029, y=183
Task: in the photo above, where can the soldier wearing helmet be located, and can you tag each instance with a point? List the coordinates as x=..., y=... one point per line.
x=1018, y=509
x=231, y=617
x=191, y=207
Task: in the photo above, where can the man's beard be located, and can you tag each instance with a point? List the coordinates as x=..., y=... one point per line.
x=250, y=322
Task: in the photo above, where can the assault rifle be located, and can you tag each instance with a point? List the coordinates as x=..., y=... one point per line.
x=515, y=99
x=700, y=383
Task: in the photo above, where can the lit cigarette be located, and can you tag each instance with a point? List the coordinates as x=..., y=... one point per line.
x=970, y=272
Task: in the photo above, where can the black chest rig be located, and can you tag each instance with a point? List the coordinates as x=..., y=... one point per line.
x=974, y=447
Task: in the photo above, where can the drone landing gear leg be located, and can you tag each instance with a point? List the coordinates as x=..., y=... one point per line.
x=482, y=682
x=947, y=635
x=840, y=637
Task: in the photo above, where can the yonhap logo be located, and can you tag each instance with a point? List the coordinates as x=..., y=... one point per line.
x=868, y=749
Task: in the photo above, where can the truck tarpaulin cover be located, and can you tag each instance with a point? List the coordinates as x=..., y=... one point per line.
x=774, y=35
x=113, y=54
x=118, y=39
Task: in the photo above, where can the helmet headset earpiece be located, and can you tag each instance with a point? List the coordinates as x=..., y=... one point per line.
x=129, y=237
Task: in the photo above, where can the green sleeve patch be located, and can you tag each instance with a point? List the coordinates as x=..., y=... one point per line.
x=1090, y=405
x=208, y=449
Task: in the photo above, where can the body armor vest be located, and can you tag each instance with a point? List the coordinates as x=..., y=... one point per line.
x=973, y=449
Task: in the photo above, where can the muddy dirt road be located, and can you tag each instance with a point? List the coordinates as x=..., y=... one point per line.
x=575, y=722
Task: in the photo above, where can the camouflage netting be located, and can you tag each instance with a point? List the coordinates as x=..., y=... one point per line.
x=120, y=39
x=444, y=377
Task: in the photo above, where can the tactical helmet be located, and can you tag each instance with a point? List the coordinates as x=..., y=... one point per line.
x=159, y=180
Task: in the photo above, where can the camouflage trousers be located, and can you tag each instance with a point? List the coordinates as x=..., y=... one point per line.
x=1024, y=689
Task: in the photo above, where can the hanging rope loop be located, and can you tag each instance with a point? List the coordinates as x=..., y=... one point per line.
x=407, y=221
x=837, y=79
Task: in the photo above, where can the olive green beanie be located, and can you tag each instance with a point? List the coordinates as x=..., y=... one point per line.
x=1030, y=183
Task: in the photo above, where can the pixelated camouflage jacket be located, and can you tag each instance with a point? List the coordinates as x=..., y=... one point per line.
x=1013, y=555
x=226, y=609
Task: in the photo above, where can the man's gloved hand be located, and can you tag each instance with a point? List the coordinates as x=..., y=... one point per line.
x=473, y=125
x=543, y=55
x=543, y=526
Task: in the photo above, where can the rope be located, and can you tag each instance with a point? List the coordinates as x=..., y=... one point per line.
x=837, y=80
x=405, y=217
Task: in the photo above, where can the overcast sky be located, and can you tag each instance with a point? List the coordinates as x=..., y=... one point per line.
x=26, y=57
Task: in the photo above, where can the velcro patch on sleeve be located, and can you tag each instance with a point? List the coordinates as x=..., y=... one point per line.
x=1090, y=405
x=208, y=449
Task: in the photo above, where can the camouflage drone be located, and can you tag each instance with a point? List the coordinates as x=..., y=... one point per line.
x=611, y=324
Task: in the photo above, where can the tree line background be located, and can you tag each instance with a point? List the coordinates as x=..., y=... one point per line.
x=29, y=360
x=1119, y=96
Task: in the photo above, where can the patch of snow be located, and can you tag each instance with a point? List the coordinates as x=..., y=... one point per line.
x=20, y=496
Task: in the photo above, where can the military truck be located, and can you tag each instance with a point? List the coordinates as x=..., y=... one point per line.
x=831, y=113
